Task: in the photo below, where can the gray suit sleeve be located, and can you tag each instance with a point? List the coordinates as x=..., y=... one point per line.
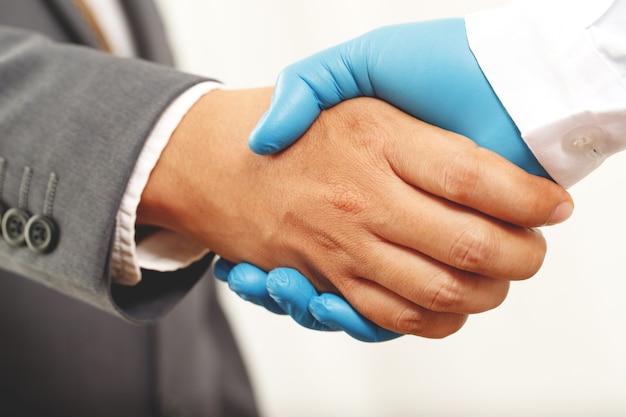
x=83, y=115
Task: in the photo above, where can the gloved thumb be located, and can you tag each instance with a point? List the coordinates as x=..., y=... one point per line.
x=293, y=109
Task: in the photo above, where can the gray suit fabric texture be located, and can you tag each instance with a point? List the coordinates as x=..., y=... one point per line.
x=71, y=342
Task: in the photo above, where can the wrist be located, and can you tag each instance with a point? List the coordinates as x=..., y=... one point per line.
x=126, y=261
x=208, y=146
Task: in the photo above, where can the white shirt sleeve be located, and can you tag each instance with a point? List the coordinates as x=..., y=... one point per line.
x=163, y=250
x=559, y=68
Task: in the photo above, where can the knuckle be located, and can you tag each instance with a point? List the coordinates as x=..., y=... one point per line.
x=346, y=199
x=472, y=250
x=428, y=324
x=466, y=294
x=411, y=321
x=447, y=295
x=461, y=180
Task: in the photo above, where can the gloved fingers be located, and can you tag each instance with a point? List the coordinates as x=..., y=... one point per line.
x=249, y=283
x=335, y=312
x=221, y=269
x=292, y=292
x=296, y=296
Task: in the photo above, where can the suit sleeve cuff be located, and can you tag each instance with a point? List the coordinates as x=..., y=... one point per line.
x=162, y=250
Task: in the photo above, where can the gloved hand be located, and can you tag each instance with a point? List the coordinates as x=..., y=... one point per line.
x=286, y=291
x=425, y=69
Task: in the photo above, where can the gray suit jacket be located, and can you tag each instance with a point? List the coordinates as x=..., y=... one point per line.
x=84, y=115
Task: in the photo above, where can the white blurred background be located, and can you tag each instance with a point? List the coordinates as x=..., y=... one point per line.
x=556, y=347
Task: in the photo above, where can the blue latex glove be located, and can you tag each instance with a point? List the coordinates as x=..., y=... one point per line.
x=425, y=69
x=249, y=283
x=286, y=291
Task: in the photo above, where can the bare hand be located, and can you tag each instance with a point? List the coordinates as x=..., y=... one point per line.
x=415, y=226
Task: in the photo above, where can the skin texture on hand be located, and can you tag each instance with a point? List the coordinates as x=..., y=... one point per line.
x=369, y=204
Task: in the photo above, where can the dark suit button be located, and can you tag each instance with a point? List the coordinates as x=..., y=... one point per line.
x=13, y=224
x=40, y=233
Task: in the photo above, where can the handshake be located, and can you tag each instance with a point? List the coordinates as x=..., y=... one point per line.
x=399, y=196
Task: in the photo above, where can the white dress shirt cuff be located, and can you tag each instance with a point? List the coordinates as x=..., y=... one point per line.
x=163, y=250
x=559, y=68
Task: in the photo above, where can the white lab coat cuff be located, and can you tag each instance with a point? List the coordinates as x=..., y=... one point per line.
x=558, y=68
